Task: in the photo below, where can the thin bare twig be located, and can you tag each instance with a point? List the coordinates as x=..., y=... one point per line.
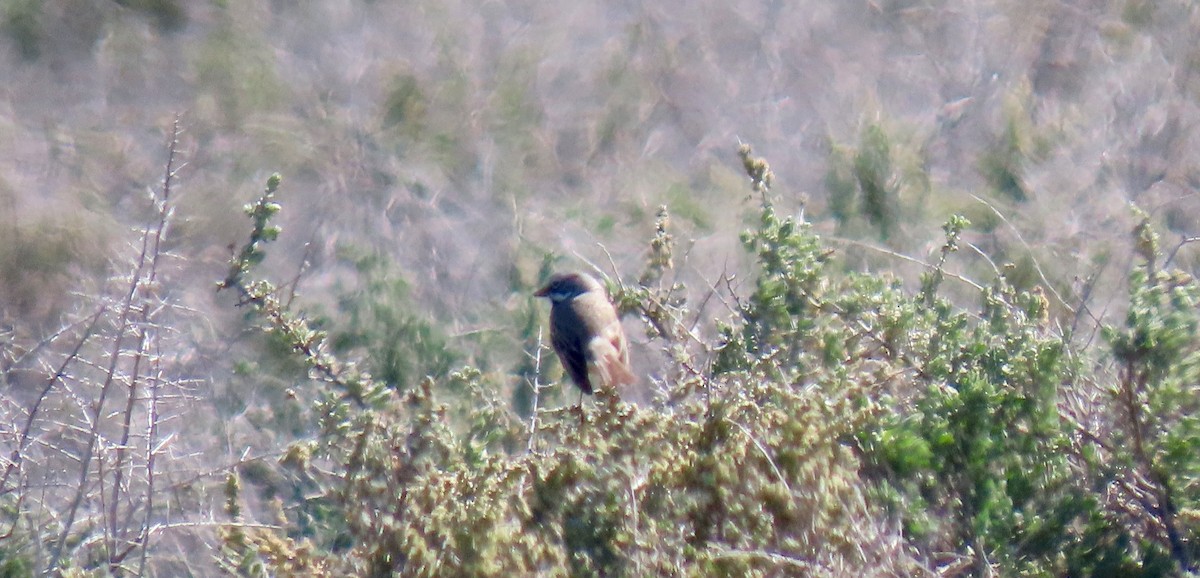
x=143, y=329
x=537, y=392
x=133, y=318
x=1036, y=264
x=1184, y=240
x=904, y=257
x=763, y=450
x=18, y=453
x=774, y=558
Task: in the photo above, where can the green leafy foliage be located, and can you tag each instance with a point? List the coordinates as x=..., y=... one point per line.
x=169, y=15
x=1157, y=359
x=12, y=564
x=877, y=181
x=406, y=106
x=828, y=408
x=20, y=24
x=718, y=481
x=400, y=346
x=1015, y=147
x=37, y=258
x=235, y=72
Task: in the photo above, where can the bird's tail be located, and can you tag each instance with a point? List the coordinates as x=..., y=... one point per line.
x=612, y=370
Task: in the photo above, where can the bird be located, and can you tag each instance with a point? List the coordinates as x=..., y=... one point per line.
x=586, y=333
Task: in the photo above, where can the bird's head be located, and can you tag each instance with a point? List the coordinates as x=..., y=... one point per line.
x=563, y=287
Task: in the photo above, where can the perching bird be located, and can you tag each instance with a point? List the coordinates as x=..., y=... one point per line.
x=586, y=333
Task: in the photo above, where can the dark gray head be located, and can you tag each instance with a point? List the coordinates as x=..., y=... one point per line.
x=563, y=287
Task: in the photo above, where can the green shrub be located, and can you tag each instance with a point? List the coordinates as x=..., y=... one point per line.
x=838, y=423
x=878, y=182
x=1153, y=456
x=400, y=346
x=20, y=24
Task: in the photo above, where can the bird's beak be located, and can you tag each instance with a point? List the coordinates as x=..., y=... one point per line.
x=542, y=292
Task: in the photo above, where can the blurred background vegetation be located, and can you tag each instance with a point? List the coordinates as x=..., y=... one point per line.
x=440, y=158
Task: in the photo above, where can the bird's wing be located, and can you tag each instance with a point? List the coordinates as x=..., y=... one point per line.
x=610, y=358
x=568, y=345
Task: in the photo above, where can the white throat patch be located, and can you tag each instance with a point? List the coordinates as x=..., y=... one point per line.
x=560, y=296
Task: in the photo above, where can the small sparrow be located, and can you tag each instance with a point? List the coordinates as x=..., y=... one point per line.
x=586, y=333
